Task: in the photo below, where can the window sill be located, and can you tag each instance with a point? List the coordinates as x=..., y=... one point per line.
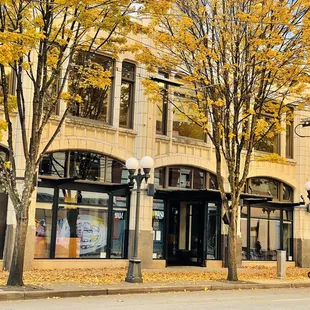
x=127, y=131
x=162, y=137
x=190, y=141
x=88, y=123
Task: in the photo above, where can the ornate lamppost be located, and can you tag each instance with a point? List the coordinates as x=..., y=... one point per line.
x=134, y=273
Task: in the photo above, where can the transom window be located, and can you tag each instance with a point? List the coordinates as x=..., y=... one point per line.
x=268, y=186
x=184, y=177
x=83, y=165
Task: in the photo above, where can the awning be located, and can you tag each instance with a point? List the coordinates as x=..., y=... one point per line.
x=209, y=195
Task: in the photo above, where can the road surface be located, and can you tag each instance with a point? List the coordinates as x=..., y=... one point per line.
x=241, y=299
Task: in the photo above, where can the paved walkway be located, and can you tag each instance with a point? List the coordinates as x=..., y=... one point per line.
x=162, y=283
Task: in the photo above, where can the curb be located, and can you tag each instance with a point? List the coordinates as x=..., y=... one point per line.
x=5, y=296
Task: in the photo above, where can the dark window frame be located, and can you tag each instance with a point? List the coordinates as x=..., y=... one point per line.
x=165, y=100
x=289, y=139
x=165, y=176
x=77, y=107
x=280, y=190
x=110, y=225
x=132, y=85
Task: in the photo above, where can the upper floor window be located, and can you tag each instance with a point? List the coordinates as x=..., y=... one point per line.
x=289, y=135
x=95, y=99
x=162, y=105
x=184, y=177
x=127, y=95
x=268, y=186
x=185, y=123
x=269, y=143
x=83, y=165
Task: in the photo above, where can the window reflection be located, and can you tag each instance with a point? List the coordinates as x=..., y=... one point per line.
x=158, y=228
x=83, y=165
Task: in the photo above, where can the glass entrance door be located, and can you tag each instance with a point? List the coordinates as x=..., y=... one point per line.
x=186, y=234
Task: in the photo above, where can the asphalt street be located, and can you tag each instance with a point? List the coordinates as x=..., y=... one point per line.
x=241, y=299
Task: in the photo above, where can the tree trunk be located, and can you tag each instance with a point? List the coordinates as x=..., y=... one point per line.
x=17, y=264
x=232, y=243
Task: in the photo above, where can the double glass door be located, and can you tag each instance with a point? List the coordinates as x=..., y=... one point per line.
x=186, y=234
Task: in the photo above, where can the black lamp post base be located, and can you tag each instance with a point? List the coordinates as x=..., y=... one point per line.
x=134, y=274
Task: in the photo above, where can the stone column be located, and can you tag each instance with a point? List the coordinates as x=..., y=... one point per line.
x=144, y=125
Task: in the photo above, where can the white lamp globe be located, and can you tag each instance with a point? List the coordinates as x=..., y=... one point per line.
x=132, y=163
x=147, y=162
x=307, y=186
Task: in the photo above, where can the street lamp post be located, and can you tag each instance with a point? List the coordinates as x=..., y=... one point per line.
x=134, y=273
x=307, y=188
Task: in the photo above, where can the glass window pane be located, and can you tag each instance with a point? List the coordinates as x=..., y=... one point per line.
x=114, y=171
x=213, y=233
x=264, y=239
x=128, y=71
x=185, y=178
x=199, y=179
x=287, y=215
x=54, y=164
x=161, y=106
x=119, y=227
x=158, y=228
x=288, y=239
x=96, y=100
x=267, y=213
x=126, y=104
x=244, y=235
x=82, y=228
x=265, y=186
x=287, y=193
x=174, y=177
x=159, y=177
x=212, y=181
x=43, y=220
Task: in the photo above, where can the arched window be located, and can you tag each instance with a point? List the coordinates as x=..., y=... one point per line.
x=184, y=177
x=83, y=165
x=268, y=186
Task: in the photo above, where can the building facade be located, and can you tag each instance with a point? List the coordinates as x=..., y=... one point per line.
x=83, y=212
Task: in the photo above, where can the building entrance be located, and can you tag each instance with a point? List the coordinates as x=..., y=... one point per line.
x=186, y=234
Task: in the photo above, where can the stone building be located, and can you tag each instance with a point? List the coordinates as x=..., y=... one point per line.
x=83, y=213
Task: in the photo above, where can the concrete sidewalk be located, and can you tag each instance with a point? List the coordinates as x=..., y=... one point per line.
x=63, y=290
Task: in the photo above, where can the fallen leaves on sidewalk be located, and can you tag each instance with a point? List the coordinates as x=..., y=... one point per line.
x=115, y=276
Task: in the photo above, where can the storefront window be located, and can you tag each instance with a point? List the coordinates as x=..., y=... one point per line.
x=43, y=220
x=158, y=229
x=82, y=226
x=213, y=232
x=268, y=230
x=119, y=227
x=264, y=239
x=244, y=228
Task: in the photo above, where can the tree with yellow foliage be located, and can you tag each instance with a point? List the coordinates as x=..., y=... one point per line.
x=39, y=40
x=247, y=63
